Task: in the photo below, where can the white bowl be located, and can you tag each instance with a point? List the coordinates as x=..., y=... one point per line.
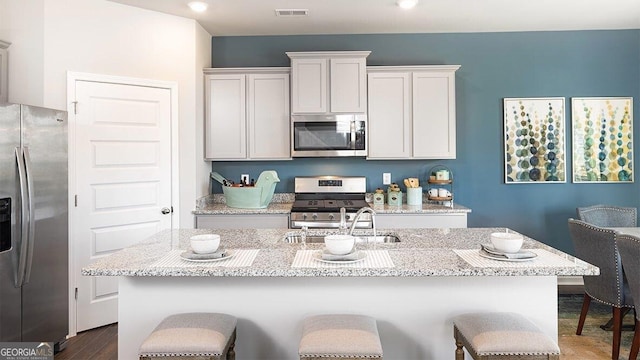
x=506, y=242
x=339, y=244
x=205, y=243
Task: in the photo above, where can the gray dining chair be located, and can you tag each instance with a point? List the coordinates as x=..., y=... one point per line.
x=597, y=246
x=629, y=248
x=608, y=216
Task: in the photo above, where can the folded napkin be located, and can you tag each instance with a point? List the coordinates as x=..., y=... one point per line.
x=326, y=255
x=522, y=254
x=189, y=254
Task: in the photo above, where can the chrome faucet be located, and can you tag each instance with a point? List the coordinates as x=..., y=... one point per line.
x=342, y=228
x=357, y=217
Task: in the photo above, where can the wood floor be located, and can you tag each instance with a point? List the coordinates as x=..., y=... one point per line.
x=95, y=344
x=593, y=344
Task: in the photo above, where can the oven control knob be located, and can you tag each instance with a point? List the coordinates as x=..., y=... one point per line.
x=347, y=217
x=331, y=216
x=304, y=216
x=314, y=216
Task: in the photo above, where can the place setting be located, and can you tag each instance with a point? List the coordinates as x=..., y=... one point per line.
x=506, y=247
x=206, y=249
x=341, y=251
x=505, y=250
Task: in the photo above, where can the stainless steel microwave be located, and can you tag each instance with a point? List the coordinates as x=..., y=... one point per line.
x=329, y=135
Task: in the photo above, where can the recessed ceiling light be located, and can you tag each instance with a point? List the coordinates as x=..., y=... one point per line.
x=198, y=6
x=407, y=4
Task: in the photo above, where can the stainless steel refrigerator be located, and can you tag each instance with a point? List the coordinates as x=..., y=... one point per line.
x=33, y=225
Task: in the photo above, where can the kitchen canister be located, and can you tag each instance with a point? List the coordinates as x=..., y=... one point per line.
x=442, y=175
x=378, y=197
x=394, y=198
x=414, y=196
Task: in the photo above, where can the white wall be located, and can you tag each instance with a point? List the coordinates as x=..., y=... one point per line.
x=22, y=24
x=51, y=37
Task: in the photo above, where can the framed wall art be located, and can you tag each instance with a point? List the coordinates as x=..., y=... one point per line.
x=602, y=139
x=534, y=140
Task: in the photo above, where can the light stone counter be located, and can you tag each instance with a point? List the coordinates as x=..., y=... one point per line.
x=281, y=204
x=421, y=252
x=413, y=301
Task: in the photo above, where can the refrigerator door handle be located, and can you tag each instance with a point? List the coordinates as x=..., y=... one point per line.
x=32, y=219
x=22, y=255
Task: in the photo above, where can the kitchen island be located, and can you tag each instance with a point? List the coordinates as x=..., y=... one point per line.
x=422, y=282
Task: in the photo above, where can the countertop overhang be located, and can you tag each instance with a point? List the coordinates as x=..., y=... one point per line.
x=421, y=253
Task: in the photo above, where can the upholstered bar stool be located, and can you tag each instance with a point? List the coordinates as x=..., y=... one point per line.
x=340, y=337
x=202, y=336
x=493, y=336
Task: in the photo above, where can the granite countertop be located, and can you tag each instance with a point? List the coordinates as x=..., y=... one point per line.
x=282, y=202
x=421, y=253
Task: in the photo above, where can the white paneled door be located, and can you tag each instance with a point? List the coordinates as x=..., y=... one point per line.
x=122, y=182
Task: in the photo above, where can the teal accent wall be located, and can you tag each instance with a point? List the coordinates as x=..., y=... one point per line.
x=494, y=66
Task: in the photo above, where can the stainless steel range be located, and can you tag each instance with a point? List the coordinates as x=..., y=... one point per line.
x=318, y=200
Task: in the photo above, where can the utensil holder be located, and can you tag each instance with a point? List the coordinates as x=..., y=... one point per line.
x=414, y=196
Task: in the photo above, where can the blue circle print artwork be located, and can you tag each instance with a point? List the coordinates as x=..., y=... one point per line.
x=534, y=140
x=602, y=139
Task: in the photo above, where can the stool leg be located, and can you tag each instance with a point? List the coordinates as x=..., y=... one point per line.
x=459, y=345
x=231, y=353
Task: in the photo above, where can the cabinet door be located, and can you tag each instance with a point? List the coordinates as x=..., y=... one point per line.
x=417, y=221
x=389, y=115
x=434, y=115
x=269, y=121
x=348, y=86
x=262, y=221
x=226, y=117
x=309, y=85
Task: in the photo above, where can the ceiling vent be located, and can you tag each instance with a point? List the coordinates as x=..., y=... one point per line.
x=292, y=12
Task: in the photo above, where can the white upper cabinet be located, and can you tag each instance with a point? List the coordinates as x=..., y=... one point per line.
x=389, y=115
x=309, y=85
x=434, y=114
x=412, y=112
x=269, y=120
x=247, y=114
x=4, y=71
x=328, y=82
x=348, y=84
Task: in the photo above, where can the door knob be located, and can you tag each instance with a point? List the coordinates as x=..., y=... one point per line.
x=165, y=211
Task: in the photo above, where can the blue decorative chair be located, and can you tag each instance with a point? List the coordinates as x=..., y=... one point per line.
x=608, y=216
x=597, y=246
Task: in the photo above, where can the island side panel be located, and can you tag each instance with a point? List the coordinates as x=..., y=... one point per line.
x=413, y=314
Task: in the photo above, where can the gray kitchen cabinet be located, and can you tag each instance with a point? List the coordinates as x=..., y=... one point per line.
x=4, y=71
x=328, y=82
x=414, y=221
x=247, y=114
x=412, y=112
x=258, y=221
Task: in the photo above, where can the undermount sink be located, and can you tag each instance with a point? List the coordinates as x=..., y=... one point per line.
x=311, y=239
